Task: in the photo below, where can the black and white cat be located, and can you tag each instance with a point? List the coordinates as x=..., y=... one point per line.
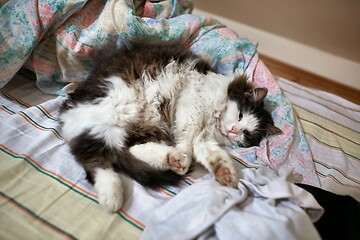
x=149, y=111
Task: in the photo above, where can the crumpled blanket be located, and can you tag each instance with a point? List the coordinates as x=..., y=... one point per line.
x=55, y=39
x=264, y=206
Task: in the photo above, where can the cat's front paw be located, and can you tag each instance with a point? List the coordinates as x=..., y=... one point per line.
x=178, y=162
x=223, y=169
x=226, y=176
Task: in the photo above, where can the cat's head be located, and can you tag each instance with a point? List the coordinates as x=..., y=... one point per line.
x=244, y=121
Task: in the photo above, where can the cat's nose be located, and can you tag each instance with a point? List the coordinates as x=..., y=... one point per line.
x=233, y=130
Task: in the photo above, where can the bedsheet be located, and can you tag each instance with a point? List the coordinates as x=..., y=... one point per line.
x=332, y=129
x=45, y=191
x=44, y=194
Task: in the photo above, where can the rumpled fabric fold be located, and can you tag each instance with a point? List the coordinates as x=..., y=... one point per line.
x=265, y=205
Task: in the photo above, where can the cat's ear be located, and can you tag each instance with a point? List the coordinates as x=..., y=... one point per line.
x=272, y=130
x=257, y=95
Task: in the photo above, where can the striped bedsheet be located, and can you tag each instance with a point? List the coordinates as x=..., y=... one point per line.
x=332, y=128
x=44, y=194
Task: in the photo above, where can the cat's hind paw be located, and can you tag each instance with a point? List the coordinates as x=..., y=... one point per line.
x=179, y=162
x=112, y=202
x=109, y=189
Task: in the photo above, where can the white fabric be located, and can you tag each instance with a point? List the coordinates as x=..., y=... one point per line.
x=264, y=206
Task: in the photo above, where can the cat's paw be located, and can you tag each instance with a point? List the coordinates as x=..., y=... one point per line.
x=111, y=201
x=226, y=176
x=178, y=162
x=109, y=189
x=223, y=169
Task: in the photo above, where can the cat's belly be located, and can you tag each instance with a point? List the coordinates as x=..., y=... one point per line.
x=108, y=119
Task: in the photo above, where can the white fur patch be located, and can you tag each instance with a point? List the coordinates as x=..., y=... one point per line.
x=109, y=189
x=229, y=120
x=154, y=154
x=248, y=122
x=162, y=156
x=230, y=116
x=107, y=119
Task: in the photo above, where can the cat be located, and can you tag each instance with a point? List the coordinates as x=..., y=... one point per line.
x=148, y=111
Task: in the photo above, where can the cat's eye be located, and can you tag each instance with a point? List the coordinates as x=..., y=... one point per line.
x=240, y=116
x=246, y=132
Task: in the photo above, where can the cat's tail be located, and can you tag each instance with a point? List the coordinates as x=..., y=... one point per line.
x=142, y=172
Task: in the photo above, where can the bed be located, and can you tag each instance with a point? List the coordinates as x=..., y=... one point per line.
x=43, y=191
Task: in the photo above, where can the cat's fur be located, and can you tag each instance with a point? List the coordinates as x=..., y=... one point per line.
x=147, y=112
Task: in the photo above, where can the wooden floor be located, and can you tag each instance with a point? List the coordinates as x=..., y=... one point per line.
x=310, y=80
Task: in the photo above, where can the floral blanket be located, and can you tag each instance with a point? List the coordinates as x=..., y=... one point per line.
x=54, y=38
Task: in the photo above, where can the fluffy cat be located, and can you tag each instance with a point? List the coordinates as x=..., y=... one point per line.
x=149, y=111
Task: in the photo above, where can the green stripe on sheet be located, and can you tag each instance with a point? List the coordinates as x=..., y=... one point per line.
x=337, y=139
x=64, y=205
x=7, y=110
x=37, y=125
x=345, y=187
x=13, y=215
x=46, y=112
x=322, y=175
x=330, y=133
x=338, y=170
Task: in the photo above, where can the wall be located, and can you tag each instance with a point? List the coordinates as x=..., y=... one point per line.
x=321, y=36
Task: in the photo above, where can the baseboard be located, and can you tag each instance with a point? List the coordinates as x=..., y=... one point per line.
x=311, y=80
x=320, y=63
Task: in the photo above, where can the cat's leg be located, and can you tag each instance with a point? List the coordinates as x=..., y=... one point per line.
x=109, y=189
x=216, y=160
x=152, y=144
x=161, y=156
x=185, y=131
x=94, y=156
